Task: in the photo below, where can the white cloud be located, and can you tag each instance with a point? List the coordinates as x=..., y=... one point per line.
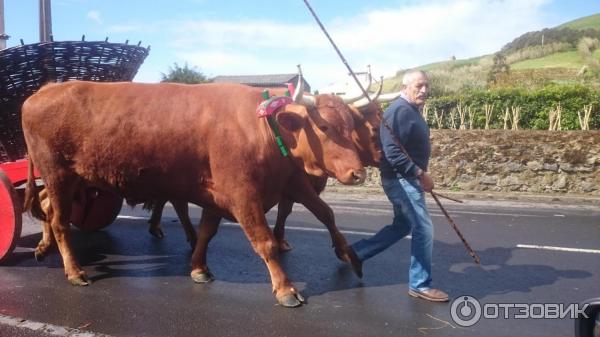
x=262, y=34
x=125, y=28
x=94, y=16
x=388, y=39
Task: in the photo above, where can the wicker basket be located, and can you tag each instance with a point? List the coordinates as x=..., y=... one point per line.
x=24, y=69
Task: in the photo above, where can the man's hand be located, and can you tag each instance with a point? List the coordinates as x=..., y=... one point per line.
x=426, y=182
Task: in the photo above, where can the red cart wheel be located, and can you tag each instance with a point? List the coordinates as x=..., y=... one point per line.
x=95, y=209
x=10, y=216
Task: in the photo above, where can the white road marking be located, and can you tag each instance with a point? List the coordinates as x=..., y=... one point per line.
x=433, y=211
x=387, y=210
x=131, y=217
x=308, y=229
x=561, y=249
x=324, y=230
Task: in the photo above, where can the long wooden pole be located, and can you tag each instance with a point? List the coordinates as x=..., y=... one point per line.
x=3, y=36
x=396, y=140
x=45, y=20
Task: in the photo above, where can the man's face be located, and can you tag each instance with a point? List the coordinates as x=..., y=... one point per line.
x=417, y=90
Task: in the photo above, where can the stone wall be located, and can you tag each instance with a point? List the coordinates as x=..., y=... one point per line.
x=524, y=160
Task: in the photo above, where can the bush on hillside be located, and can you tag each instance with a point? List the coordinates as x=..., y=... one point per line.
x=534, y=52
x=549, y=36
x=535, y=106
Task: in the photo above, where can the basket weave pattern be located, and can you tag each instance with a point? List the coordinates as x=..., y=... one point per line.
x=24, y=69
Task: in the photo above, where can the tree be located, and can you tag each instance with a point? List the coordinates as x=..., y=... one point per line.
x=499, y=68
x=586, y=48
x=184, y=74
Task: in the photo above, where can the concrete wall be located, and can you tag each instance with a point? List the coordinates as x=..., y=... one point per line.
x=527, y=161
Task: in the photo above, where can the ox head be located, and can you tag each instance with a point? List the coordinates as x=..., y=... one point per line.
x=318, y=131
x=366, y=113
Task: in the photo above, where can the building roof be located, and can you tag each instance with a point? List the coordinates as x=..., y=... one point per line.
x=257, y=79
x=266, y=81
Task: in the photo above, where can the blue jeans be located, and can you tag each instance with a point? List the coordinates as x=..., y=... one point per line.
x=410, y=213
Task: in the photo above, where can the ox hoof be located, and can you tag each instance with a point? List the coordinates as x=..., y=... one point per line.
x=202, y=277
x=291, y=300
x=285, y=246
x=39, y=256
x=355, y=262
x=341, y=255
x=156, y=232
x=79, y=281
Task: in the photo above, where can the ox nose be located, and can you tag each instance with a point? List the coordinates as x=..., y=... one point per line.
x=358, y=177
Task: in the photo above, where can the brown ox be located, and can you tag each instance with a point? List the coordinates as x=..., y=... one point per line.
x=367, y=120
x=201, y=143
x=365, y=137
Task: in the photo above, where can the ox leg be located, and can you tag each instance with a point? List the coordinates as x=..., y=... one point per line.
x=252, y=219
x=154, y=221
x=61, y=195
x=47, y=237
x=209, y=223
x=182, y=210
x=283, y=211
x=303, y=192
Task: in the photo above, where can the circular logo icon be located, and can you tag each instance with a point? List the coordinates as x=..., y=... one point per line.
x=465, y=311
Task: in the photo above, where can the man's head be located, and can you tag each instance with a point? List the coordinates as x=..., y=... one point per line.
x=415, y=86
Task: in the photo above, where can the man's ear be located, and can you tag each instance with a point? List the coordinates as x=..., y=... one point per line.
x=292, y=118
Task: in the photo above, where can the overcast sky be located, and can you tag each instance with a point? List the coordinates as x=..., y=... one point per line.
x=241, y=37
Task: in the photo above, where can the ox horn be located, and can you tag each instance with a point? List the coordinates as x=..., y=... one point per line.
x=389, y=97
x=352, y=99
x=364, y=101
x=299, y=92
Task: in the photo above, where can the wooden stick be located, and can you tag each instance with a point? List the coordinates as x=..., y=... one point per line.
x=469, y=249
x=447, y=197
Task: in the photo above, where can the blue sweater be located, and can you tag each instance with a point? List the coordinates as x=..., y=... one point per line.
x=408, y=125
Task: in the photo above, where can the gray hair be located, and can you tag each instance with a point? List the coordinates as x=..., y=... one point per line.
x=410, y=75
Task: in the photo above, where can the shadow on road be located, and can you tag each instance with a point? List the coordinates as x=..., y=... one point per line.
x=125, y=249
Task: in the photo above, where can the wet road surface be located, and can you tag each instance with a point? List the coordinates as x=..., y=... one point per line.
x=531, y=253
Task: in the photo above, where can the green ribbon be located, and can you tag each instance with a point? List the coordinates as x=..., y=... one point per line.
x=273, y=125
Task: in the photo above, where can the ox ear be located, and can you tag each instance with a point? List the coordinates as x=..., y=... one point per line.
x=292, y=118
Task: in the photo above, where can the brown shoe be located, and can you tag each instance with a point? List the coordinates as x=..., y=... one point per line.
x=431, y=294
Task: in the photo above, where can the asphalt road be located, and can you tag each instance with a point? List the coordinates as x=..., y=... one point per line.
x=532, y=253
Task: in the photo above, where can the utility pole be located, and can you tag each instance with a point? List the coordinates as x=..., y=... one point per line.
x=542, y=40
x=3, y=36
x=45, y=21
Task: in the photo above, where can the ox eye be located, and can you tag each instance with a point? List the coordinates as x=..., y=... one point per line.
x=323, y=128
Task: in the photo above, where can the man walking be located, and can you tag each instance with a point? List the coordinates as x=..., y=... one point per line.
x=405, y=179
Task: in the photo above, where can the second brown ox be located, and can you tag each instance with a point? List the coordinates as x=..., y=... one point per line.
x=365, y=138
x=201, y=143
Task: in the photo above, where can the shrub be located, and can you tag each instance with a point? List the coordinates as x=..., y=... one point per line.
x=535, y=105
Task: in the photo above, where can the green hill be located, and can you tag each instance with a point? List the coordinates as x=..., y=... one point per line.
x=534, y=58
x=568, y=59
x=592, y=21
x=452, y=63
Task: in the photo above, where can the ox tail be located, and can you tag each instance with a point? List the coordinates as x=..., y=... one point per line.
x=32, y=198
